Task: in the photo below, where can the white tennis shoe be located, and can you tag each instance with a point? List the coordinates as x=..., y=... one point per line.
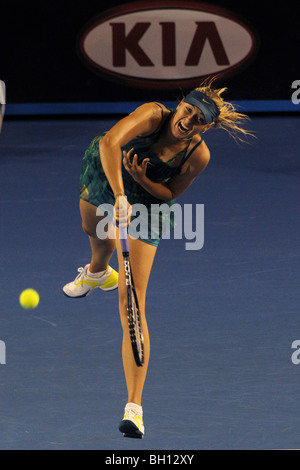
x=84, y=284
x=132, y=424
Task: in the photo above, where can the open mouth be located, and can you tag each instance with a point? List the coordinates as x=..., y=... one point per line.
x=182, y=128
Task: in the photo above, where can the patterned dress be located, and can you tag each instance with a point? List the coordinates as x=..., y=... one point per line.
x=95, y=188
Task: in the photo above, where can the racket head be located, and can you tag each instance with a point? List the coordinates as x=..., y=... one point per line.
x=136, y=331
x=134, y=316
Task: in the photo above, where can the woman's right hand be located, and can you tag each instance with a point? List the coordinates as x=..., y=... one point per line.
x=122, y=211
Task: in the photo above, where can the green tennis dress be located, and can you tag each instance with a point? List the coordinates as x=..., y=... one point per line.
x=152, y=216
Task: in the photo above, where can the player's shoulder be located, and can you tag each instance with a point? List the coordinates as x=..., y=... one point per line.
x=200, y=154
x=201, y=151
x=152, y=109
x=153, y=113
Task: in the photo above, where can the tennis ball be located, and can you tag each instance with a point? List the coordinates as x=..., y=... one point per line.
x=29, y=298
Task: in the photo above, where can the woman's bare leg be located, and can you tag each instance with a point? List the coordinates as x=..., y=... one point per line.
x=141, y=260
x=102, y=250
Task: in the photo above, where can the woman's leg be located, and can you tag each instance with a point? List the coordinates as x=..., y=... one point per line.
x=102, y=250
x=97, y=273
x=141, y=260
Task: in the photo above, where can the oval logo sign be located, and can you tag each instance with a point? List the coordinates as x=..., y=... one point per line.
x=147, y=44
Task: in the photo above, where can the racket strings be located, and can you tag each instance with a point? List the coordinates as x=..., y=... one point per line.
x=135, y=328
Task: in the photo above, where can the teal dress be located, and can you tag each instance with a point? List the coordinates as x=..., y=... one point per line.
x=95, y=188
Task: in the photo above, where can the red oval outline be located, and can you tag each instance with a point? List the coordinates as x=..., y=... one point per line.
x=157, y=5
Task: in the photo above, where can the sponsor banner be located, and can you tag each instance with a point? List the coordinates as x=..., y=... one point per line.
x=166, y=44
x=121, y=51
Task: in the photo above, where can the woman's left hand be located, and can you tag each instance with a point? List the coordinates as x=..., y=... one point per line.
x=138, y=172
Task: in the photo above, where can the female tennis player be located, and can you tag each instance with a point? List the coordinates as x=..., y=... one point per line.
x=152, y=156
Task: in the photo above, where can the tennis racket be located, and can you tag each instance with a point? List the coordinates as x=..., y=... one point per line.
x=2, y=102
x=133, y=311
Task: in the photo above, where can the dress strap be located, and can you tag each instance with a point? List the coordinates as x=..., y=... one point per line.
x=161, y=108
x=187, y=155
x=163, y=120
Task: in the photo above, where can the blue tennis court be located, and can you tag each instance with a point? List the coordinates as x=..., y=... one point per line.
x=222, y=319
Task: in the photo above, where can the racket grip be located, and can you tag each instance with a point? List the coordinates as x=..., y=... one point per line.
x=124, y=239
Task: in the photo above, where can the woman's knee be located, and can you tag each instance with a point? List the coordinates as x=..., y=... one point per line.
x=123, y=302
x=90, y=227
x=102, y=232
x=90, y=231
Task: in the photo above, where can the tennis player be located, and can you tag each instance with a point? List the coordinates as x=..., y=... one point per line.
x=152, y=156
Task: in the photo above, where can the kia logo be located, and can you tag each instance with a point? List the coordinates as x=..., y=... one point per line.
x=174, y=44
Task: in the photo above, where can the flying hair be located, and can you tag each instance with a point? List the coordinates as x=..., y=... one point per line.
x=229, y=118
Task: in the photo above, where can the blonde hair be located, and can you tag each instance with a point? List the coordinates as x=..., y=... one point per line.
x=229, y=118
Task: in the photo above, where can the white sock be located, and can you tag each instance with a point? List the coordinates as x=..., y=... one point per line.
x=100, y=274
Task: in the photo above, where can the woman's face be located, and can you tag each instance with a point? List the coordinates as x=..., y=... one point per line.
x=187, y=121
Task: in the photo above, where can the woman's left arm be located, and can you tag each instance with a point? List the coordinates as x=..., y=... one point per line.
x=138, y=173
x=177, y=185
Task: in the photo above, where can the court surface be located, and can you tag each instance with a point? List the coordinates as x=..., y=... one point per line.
x=222, y=319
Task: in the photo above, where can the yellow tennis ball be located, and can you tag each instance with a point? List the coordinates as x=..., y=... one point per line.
x=29, y=298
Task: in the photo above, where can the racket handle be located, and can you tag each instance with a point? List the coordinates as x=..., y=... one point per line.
x=124, y=239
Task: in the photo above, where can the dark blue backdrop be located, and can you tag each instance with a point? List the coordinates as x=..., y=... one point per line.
x=39, y=59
